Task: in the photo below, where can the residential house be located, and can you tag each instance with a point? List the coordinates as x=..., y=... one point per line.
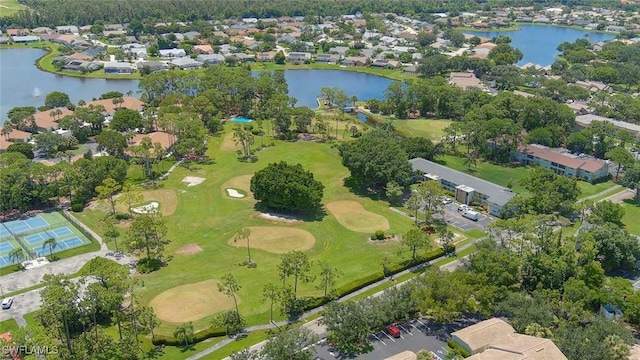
x=410, y=70
x=110, y=108
x=81, y=65
x=47, y=121
x=25, y=39
x=594, y=86
x=17, y=32
x=615, y=28
x=496, y=339
x=117, y=67
x=584, y=121
x=355, y=61
x=266, y=56
x=203, y=49
x=464, y=80
x=328, y=58
x=191, y=35
x=153, y=65
x=186, y=63
x=388, y=40
x=172, y=53
x=465, y=186
x=211, y=59
x=70, y=29
x=165, y=139
x=4, y=40
x=42, y=30
x=242, y=57
x=299, y=57
x=340, y=50
x=13, y=137
x=562, y=162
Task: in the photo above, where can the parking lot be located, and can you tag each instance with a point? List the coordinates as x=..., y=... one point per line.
x=415, y=335
x=453, y=217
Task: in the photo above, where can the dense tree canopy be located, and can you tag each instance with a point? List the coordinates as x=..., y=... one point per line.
x=286, y=187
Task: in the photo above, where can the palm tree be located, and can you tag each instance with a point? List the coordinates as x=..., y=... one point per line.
x=537, y=330
x=6, y=130
x=17, y=255
x=81, y=103
x=244, y=234
x=51, y=243
x=117, y=102
x=470, y=160
x=184, y=332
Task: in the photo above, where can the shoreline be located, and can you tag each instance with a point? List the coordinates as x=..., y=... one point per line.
x=516, y=27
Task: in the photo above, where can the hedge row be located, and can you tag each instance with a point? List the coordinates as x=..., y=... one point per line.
x=196, y=338
x=457, y=348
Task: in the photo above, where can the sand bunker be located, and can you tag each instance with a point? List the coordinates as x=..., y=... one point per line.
x=193, y=180
x=277, y=217
x=354, y=217
x=189, y=249
x=277, y=240
x=151, y=208
x=235, y=193
x=190, y=302
x=167, y=201
x=238, y=183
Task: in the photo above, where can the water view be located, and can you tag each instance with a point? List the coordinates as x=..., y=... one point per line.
x=23, y=84
x=539, y=43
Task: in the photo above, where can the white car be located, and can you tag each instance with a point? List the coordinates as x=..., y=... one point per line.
x=463, y=207
x=6, y=303
x=446, y=200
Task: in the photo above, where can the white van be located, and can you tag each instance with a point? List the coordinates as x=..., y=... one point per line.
x=471, y=215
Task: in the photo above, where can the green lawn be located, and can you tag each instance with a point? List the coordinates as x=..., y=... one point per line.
x=631, y=216
x=430, y=129
x=8, y=325
x=9, y=7
x=254, y=337
x=205, y=217
x=587, y=189
x=503, y=175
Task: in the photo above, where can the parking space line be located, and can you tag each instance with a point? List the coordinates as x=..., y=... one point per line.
x=389, y=336
x=376, y=336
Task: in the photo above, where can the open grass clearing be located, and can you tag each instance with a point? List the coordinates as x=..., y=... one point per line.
x=631, y=217
x=503, y=175
x=10, y=7
x=588, y=189
x=240, y=183
x=167, y=200
x=228, y=143
x=190, y=302
x=276, y=239
x=206, y=217
x=8, y=326
x=426, y=128
x=354, y=217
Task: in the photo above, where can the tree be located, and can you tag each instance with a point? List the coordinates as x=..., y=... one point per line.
x=56, y=99
x=245, y=354
x=148, y=320
x=184, y=333
x=231, y=321
x=348, y=325
x=616, y=249
x=419, y=147
x=328, y=276
x=548, y=191
x=107, y=190
x=291, y=343
x=146, y=234
x=16, y=255
x=618, y=349
x=294, y=263
x=112, y=142
x=622, y=157
x=286, y=187
x=279, y=58
x=51, y=243
x=110, y=231
x=244, y=234
x=47, y=142
x=631, y=179
x=414, y=240
x=272, y=293
x=125, y=120
x=230, y=287
x=242, y=136
x=606, y=211
x=394, y=192
x=537, y=330
x=131, y=195
x=20, y=147
x=430, y=194
x=375, y=159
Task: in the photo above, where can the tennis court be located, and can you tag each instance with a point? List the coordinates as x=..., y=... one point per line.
x=61, y=246
x=6, y=247
x=49, y=234
x=18, y=227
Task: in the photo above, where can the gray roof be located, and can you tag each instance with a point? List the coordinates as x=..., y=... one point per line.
x=119, y=65
x=586, y=120
x=495, y=193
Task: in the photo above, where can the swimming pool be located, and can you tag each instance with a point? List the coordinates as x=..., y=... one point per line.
x=241, y=120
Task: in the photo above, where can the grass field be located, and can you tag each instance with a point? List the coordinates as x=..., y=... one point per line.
x=276, y=239
x=206, y=217
x=430, y=129
x=9, y=7
x=498, y=174
x=631, y=216
x=8, y=325
x=587, y=189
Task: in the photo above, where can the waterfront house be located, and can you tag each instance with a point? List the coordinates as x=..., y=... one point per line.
x=328, y=58
x=116, y=67
x=13, y=137
x=46, y=121
x=211, y=59
x=299, y=57
x=110, y=108
x=266, y=56
x=242, y=57
x=4, y=40
x=153, y=65
x=355, y=61
x=25, y=39
x=562, y=162
x=186, y=63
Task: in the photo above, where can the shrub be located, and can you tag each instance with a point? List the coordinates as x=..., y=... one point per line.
x=379, y=234
x=77, y=207
x=148, y=265
x=457, y=348
x=373, y=237
x=123, y=216
x=197, y=337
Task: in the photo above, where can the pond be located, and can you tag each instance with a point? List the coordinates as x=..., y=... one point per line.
x=538, y=43
x=23, y=84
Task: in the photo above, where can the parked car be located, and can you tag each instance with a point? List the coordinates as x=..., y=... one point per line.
x=6, y=303
x=446, y=200
x=463, y=207
x=393, y=331
x=471, y=215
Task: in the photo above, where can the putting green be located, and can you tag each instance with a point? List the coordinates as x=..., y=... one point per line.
x=190, y=302
x=277, y=239
x=242, y=183
x=354, y=217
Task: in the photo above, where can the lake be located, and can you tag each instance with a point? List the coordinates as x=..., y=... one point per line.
x=23, y=84
x=538, y=43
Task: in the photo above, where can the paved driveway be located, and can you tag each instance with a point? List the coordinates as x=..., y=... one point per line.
x=455, y=218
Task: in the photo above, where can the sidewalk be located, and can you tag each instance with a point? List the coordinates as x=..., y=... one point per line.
x=314, y=325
